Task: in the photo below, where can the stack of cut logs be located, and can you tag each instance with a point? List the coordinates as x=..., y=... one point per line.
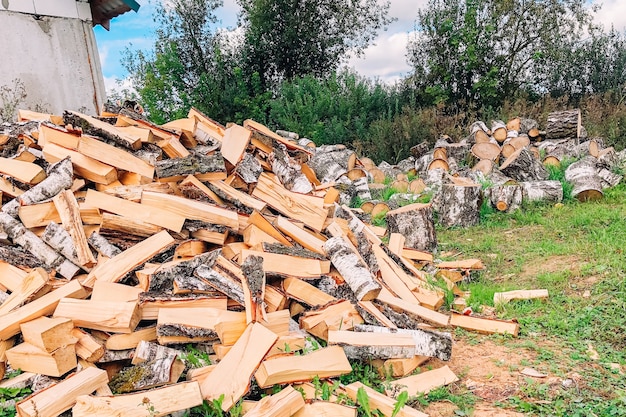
x=121, y=242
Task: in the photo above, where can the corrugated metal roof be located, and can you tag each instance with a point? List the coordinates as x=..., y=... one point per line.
x=102, y=11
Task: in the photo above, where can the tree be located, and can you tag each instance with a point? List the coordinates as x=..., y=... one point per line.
x=285, y=39
x=477, y=53
x=194, y=64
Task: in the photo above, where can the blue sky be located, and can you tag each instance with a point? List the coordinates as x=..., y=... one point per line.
x=385, y=59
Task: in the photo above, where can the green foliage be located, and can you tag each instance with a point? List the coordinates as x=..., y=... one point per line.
x=10, y=98
x=364, y=404
x=400, y=402
x=14, y=394
x=287, y=39
x=195, y=358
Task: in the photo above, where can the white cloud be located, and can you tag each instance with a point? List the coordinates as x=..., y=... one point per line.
x=386, y=59
x=114, y=84
x=612, y=12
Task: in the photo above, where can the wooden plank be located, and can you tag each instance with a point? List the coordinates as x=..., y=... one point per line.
x=193, y=181
x=326, y=409
x=361, y=346
x=53, y=401
x=290, y=265
x=51, y=134
x=335, y=316
x=231, y=377
x=144, y=212
x=44, y=306
x=164, y=400
x=22, y=171
x=84, y=166
x=259, y=220
x=69, y=211
x=191, y=209
x=8, y=188
x=150, y=310
x=258, y=127
x=307, y=209
x=422, y=383
x=115, y=157
x=123, y=341
x=117, y=267
x=112, y=291
x=482, y=325
x=378, y=315
x=234, y=144
x=107, y=316
x=30, y=358
x=378, y=401
x=87, y=347
x=324, y=363
x=505, y=297
x=400, y=367
x=393, y=276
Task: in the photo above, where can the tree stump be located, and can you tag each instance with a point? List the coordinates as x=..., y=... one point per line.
x=564, y=125
x=459, y=205
x=523, y=166
x=414, y=222
x=584, y=177
x=505, y=197
x=549, y=191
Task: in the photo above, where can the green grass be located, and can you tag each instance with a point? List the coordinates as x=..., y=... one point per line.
x=568, y=250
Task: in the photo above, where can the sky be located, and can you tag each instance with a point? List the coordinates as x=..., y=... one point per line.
x=385, y=59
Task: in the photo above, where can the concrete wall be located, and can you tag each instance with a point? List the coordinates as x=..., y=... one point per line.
x=55, y=57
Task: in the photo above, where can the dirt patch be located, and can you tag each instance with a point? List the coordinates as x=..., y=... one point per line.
x=489, y=370
x=552, y=264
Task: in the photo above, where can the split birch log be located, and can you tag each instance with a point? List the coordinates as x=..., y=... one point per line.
x=53, y=401
x=102, y=245
x=201, y=166
x=165, y=401
x=583, y=175
x=350, y=266
x=505, y=297
x=324, y=363
x=459, y=205
x=285, y=403
x=422, y=383
x=60, y=240
x=427, y=343
x=550, y=191
x=249, y=169
x=415, y=222
x=289, y=171
x=483, y=325
x=564, y=125
x=231, y=377
x=23, y=237
x=479, y=132
x=94, y=127
x=505, y=197
x=363, y=346
x=523, y=166
x=225, y=277
x=378, y=401
x=22, y=171
x=69, y=211
x=332, y=161
x=163, y=279
x=253, y=288
x=608, y=178
x=59, y=178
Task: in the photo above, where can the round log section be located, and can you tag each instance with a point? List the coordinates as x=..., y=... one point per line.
x=367, y=163
x=507, y=150
x=379, y=209
x=584, y=177
x=498, y=130
x=548, y=191
x=356, y=173
x=551, y=160
x=438, y=163
x=400, y=186
x=523, y=166
x=479, y=133
x=376, y=175
x=488, y=150
x=417, y=186
x=440, y=153
x=563, y=125
x=484, y=165
x=514, y=124
x=594, y=148
x=505, y=198
x=526, y=125
x=520, y=141
x=415, y=222
x=459, y=205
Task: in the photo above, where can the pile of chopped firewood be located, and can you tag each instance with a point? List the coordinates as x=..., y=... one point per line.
x=122, y=241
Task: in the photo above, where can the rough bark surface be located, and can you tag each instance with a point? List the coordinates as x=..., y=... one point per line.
x=163, y=279
x=417, y=226
x=583, y=175
x=364, y=353
x=59, y=178
x=549, y=191
x=103, y=246
x=427, y=343
x=249, y=169
x=330, y=162
x=289, y=171
x=190, y=165
x=60, y=240
x=229, y=286
x=523, y=166
x=460, y=205
x=355, y=273
x=419, y=150
x=505, y=197
x=563, y=125
x=79, y=120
